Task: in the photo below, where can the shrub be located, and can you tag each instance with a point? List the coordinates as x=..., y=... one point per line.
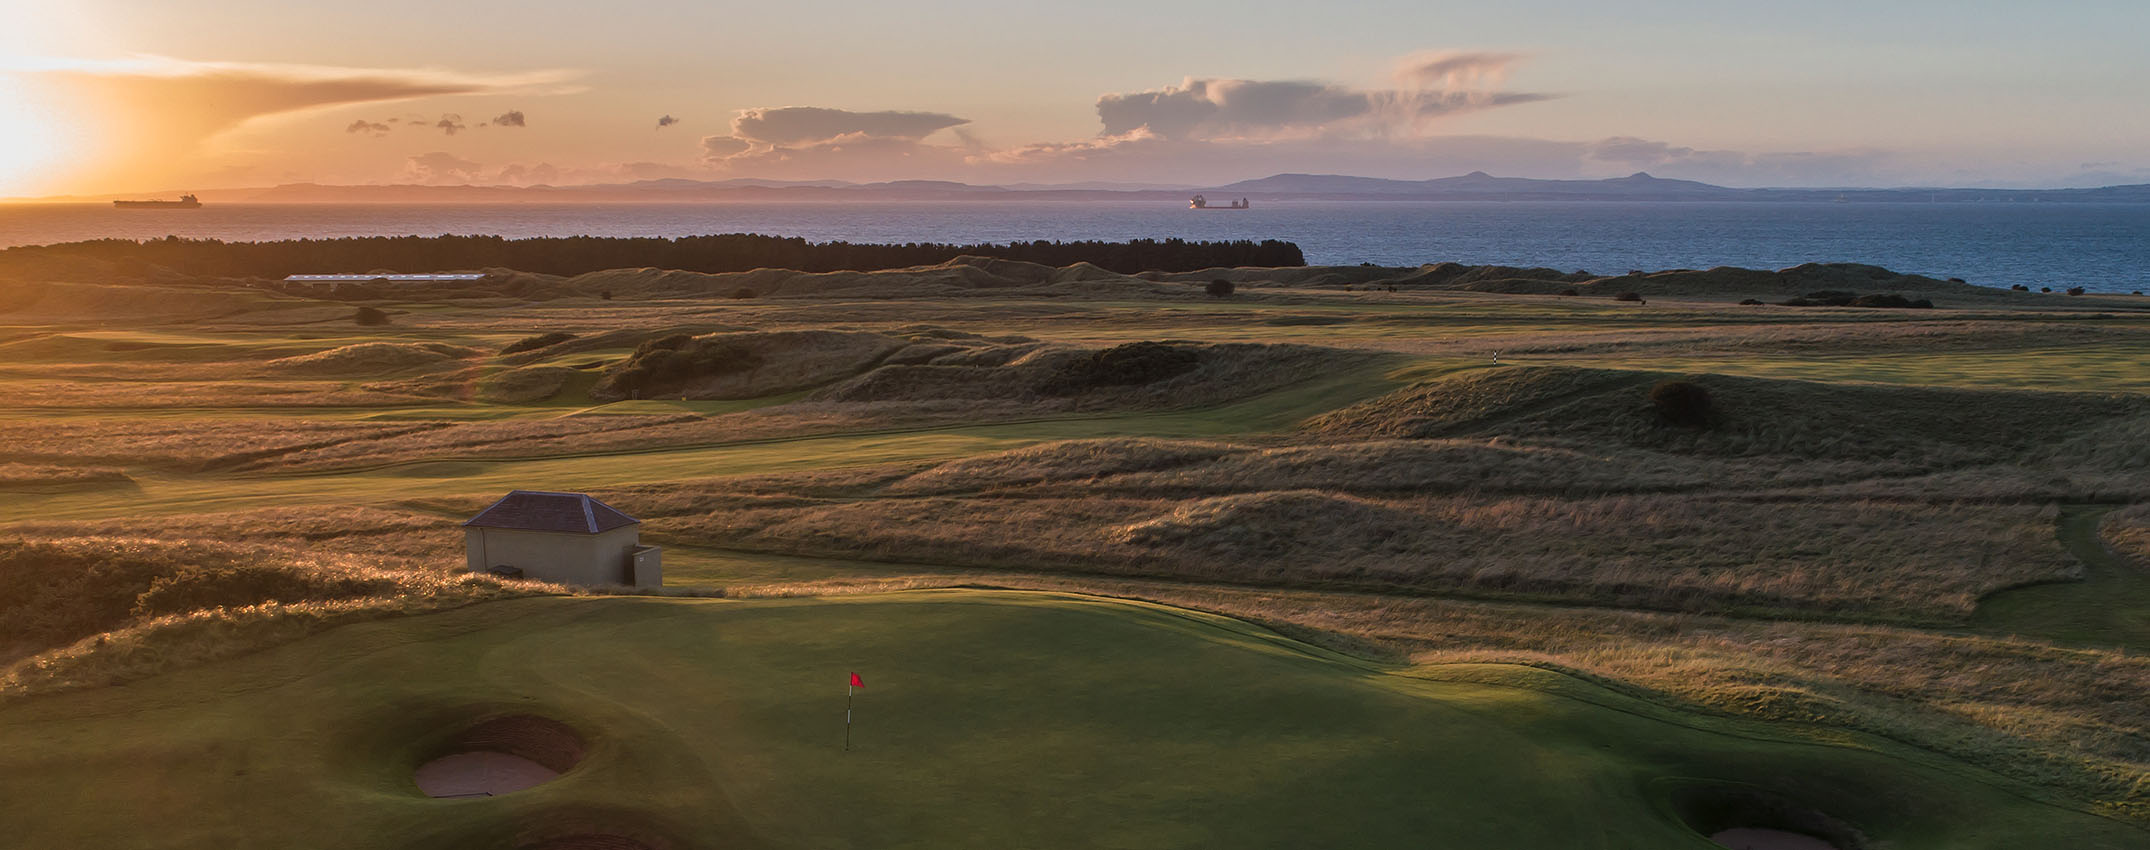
x=2045, y=289
x=1122, y=365
x=2019, y=287
x=2075, y=290
x=533, y=343
x=1682, y=403
x=604, y=294
x=1955, y=280
x=1750, y=302
x=1220, y=288
x=1892, y=301
x=370, y=316
x=1570, y=293
x=743, y=293
x=1628, y=296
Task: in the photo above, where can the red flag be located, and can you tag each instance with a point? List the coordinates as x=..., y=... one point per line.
x=857, y=682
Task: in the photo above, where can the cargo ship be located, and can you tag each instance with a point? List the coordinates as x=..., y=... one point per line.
x=185, y=202
x=1202, y=203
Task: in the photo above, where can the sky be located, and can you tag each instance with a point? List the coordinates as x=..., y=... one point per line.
x=118, y=96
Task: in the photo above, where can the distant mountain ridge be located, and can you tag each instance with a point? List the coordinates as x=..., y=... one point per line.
x=1475, y=186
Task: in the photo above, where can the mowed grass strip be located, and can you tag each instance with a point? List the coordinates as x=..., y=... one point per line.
x=989, y=720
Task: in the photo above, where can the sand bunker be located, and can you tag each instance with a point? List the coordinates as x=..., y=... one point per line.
x=501, y=756
x=1744, y=818
x=1750, y=838
x=480, y=775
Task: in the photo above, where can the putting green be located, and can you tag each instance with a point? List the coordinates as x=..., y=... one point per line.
x=990, y=719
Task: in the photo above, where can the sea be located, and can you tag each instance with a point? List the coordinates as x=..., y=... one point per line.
x=2101, y=247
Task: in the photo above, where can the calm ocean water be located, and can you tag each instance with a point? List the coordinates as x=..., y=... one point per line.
x=2104, y=247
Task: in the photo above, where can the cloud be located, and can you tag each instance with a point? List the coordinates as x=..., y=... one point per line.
x=650, y=170
x=209, y=97
x=450, y=123
x=440, y=167
x=510, y=118
x=527, y=175
x=371, y=128
x=666, y=121
x=1742, y=168
x=152, y=117
x=721, y=147
x=800, y=139
x=1633, y=151
x=791, y=125
x=1429, y=86
x=1455, y=70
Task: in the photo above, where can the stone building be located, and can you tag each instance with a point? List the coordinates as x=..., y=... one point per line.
x=567, y=538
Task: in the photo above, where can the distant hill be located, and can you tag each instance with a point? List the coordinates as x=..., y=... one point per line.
x=1475, y=186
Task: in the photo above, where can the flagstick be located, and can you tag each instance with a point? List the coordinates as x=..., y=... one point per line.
x=847, y=717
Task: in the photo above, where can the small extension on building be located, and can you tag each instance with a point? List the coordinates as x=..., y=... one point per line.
x=568, y=538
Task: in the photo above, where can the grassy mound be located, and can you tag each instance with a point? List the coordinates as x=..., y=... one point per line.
x=28, y=476
x=1908, y=427
x=1137, y=375
x=961, y=276
x=61, y=591
x=525, y=385
x=742, y=365
x=1256, y=528
x=373, y=358
x=535, y=342
x=1799, y=281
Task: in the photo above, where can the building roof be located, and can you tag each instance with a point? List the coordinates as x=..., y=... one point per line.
x=536, y=510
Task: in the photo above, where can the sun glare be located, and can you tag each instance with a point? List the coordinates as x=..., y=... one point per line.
x=34, y=146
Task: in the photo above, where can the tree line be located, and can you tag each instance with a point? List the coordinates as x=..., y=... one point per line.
x=571, y=255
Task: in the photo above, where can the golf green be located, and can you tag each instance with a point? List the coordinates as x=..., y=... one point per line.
x=989, y=719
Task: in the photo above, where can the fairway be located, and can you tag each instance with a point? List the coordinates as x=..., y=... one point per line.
x=990, y=719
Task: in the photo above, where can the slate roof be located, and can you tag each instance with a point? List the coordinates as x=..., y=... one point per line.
x=536, y=510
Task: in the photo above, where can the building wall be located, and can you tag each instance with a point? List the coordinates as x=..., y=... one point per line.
x=648, y=566
x=552, y=556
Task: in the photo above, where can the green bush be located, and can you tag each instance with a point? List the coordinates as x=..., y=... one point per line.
x=1682, y=403
x=370, y=316
x=1220, y=288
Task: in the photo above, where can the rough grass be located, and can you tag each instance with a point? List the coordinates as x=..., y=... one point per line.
x=22, y=476
x=1900, y=429
x=1827, y=496
x=2127, y=532
x=60, y=591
